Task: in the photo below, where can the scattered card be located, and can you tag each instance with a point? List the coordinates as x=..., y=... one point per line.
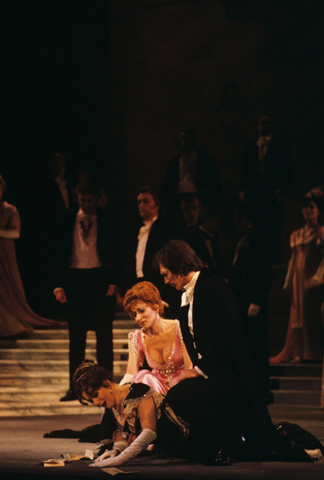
x=115, y=471
x=54, y=462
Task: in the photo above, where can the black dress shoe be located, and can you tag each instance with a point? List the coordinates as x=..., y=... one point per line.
x=220, y=459
x=287, y=450
x=70, y=395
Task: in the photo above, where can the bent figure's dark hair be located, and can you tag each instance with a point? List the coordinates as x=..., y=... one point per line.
x=88, y=186
x=88, y=378
x=178, y=257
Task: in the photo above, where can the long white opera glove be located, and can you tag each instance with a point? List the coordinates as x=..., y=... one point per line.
x=116, y=450
x=11, y=233
x=318, y=277
x=146, y=437
x=127, y=378
x=253, y=310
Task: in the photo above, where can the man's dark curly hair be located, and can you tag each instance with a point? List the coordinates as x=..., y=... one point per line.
x=178, y=257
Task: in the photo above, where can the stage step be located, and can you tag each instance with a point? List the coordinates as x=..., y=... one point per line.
x=34, y=370
x=296, y=384
x=19, y=409
x=52, y=344
x=34, y=373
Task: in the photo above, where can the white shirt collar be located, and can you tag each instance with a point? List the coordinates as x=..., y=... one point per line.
x=187, y=295
x=149, y=223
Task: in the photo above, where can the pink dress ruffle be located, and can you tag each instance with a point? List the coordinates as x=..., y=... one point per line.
x=162, y=377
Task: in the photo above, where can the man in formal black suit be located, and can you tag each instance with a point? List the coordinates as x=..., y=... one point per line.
x=88, y=283
x=265, y=175
x=199, y=229
x=150, y=233
x=250, y=278
x=221, y=389
x=193, y=171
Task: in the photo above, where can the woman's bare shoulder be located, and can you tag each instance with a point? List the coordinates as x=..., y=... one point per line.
x=170, y=324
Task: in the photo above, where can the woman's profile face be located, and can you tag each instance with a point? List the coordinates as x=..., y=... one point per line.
x=310, y=211
x=144, y=314
x=101, y=397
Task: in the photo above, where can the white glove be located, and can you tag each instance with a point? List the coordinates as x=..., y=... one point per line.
x=11, y=233
x=116, y=450
x=253, y=310
x=146, y=437
x=127, y=378
x=314, y=282
x=108, y=454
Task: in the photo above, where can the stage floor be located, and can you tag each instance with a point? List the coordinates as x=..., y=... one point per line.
x=23, y=449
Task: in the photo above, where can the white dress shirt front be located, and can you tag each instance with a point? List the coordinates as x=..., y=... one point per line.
x=187, y=171
x=84, y=252
x=141, y=245
x=188, y=299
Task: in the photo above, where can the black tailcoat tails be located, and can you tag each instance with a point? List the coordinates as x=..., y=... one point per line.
x=228, y=402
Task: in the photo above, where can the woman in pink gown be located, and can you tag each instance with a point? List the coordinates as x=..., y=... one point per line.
x=159, y=341
x=304, y=338
x=16, y=317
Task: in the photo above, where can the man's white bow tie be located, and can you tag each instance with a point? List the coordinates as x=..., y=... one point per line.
x=87, y=217
x=187, y=295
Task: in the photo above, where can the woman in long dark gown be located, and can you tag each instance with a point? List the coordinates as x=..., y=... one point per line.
x=16, y=317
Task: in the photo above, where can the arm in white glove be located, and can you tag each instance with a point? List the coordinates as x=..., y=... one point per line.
x=13, y=230
x=317, y=278
x=253, y=310
x=146, y=437
x=118, y=447
x=127, y=378
x=10, y=233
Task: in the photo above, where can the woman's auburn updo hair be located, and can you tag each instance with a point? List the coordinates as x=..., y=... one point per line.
x=144, y=292
x=88, y=378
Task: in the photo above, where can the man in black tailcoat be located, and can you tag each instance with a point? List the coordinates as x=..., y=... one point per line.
x=191, y=172
x=250, y=278
x=220, y=392
x=265, y=176
x=143, y=240
x=88, y=284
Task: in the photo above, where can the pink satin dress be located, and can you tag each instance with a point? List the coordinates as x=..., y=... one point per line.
x=163, y=376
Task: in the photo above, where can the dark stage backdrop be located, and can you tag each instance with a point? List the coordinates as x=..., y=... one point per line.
x=217, y=65
x=109, y=83
x=55, y=87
